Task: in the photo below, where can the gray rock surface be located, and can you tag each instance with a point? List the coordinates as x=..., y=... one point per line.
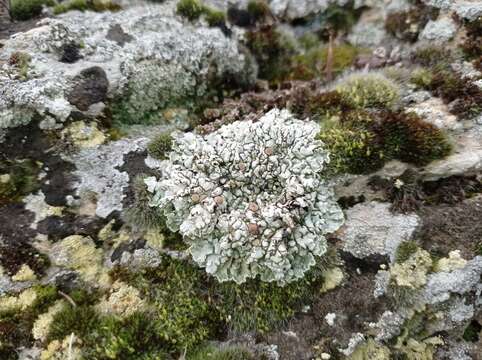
x=167, y=63
x=371, y=229
x=439, y=31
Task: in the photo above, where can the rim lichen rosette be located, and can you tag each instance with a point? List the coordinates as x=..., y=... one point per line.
x=249, y=198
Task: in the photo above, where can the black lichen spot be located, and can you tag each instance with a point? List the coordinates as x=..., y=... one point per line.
x=70, y=53
x=59, y=227
x=90, y=87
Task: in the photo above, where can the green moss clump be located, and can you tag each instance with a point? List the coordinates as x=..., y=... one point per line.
x=472, y=332
x=352, y=150
x=214, y=17
x=17, y=179
x=208, y=352
x=80, y=320
x=16, y=325
x=273, y=51
x=135, y=337
x=140, y=215
x=27, y=9
x=472, y=46
x=190, y=9
x=464, y=96
x=264, y=306
x=84, y=5
x=258, y=9
x=160, y=146
x=432, y=55
x=361, y=142
x=422, y=78
x=405, y=250
x=369, y=90
x=312, y=63
x=21, y=61
x=183, y=314
x=408, y=138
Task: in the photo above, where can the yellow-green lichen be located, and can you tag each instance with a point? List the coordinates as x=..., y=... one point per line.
x=123, y=300
x=370, y=350
x=453, y=262
x=79, y=253
x=24, y=274
x=84, y=135
x=412, y=273
x=41, y=326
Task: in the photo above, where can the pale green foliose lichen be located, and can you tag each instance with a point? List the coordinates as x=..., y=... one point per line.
x=249, y=198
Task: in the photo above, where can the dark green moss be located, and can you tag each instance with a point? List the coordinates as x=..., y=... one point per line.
x=472, y=46
x=80, y=320
x=464, y=97
x=261, y=306
x=27, y=9
x=141, y=215
x=13, y=256
x=472, y=332
x=16, y=326
x=361, y=141
x=352, y=150
x=18, y=178
x=410, y=139
x=405, y=250
x=258, y=9
x=190, y=9
x=214, y=17
x=273, y=52
x=432, y=55
x=21, y=61
x=312, y=63
x=160, y=146
x=83, y=5
x=208, y=352
x=183, y=314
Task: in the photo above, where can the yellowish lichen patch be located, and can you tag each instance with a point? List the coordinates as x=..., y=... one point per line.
x=332, y=278
x=79, y=253
x=41, y=326
x=5, y=178
x=67, y=349
x=419, y=350
x=25, y=273
x=370, y=350
x=84, y=135
x=453, y=262
x=123, y=300
x=155, y=239
x=412, y=273
x=106, y=232
x=21, y=302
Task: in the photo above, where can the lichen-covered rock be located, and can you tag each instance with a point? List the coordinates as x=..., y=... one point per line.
x=249, y=198
x=371, y=229
x=98, y=173
x=439, y=31
x=167, y=63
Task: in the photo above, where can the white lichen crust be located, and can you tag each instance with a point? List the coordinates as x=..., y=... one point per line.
x=249, y=198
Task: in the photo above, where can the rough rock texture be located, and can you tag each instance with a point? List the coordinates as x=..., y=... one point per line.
x=168, y=62
x=249, y=198
x=439, y=31
x=466, y=158
x=98, y=173
x=371, y=229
